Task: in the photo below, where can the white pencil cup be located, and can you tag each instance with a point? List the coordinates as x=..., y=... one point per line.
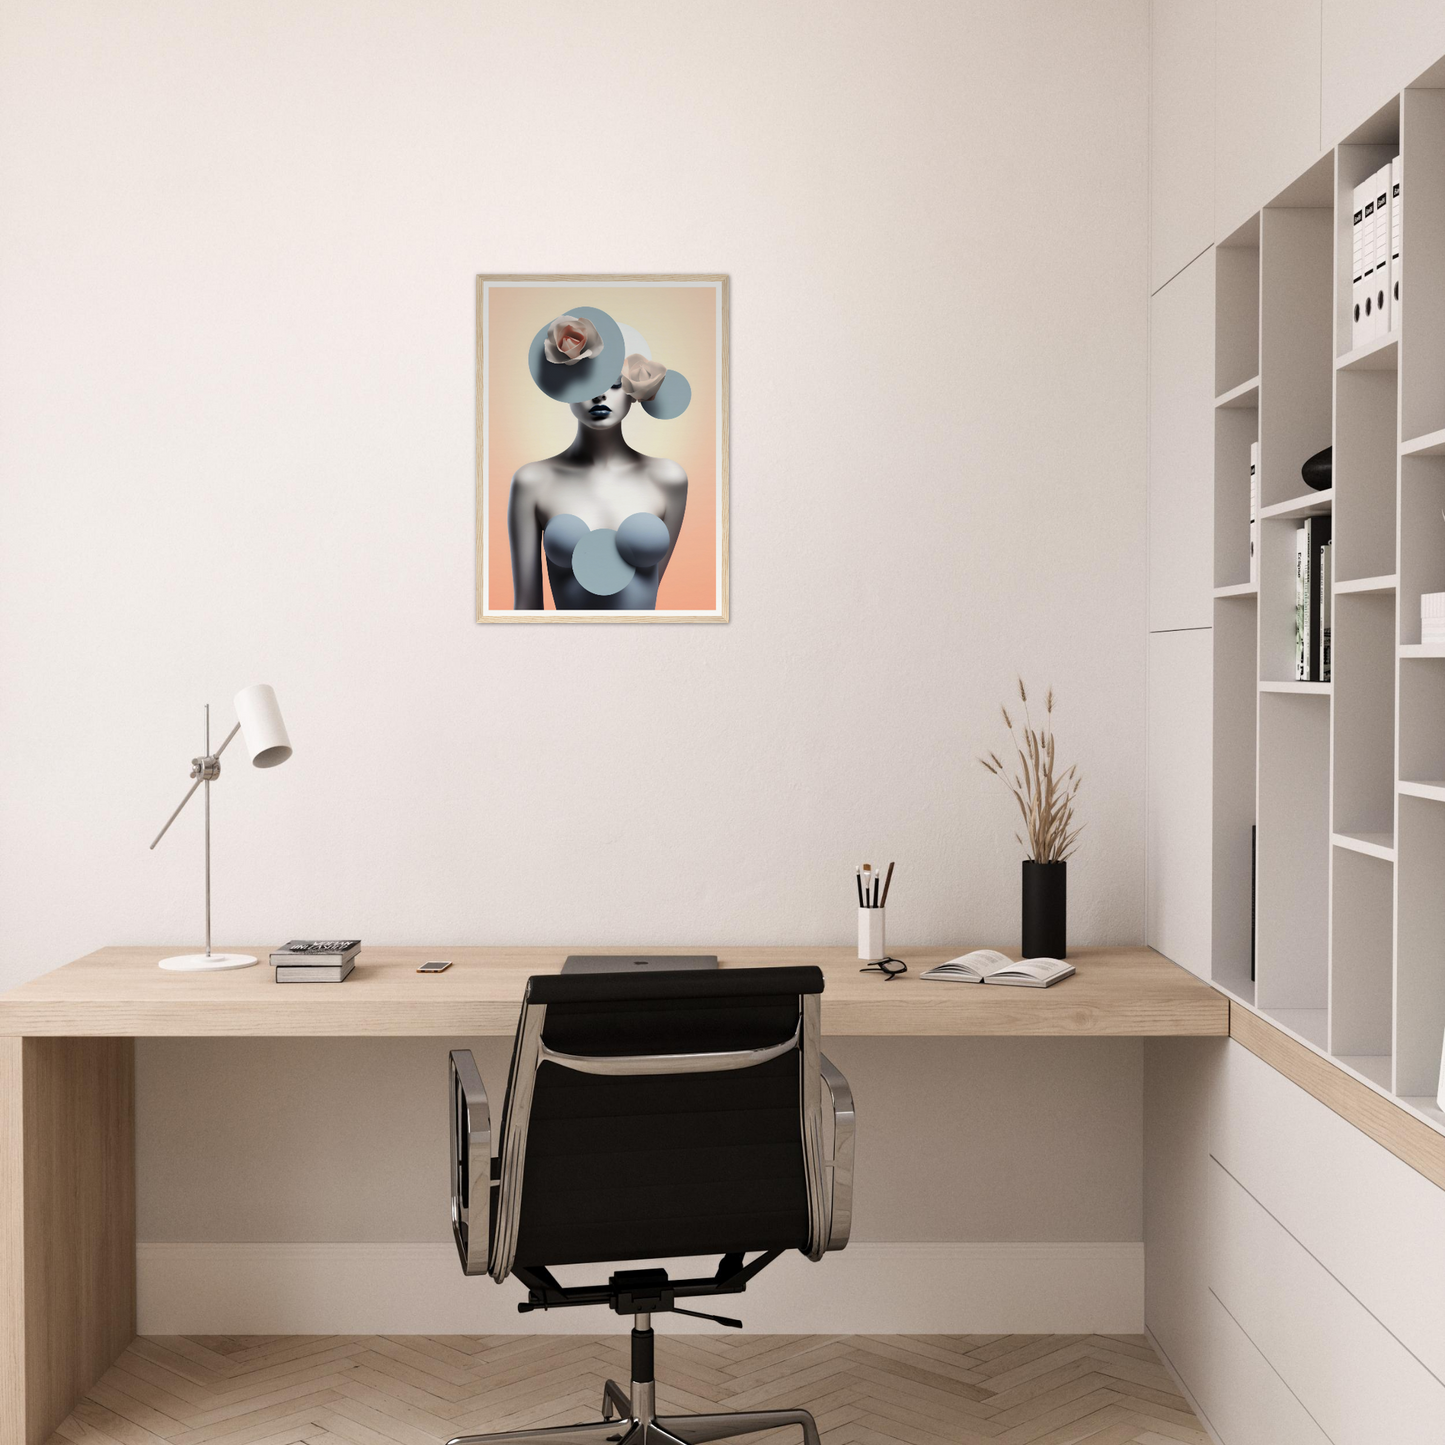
x=871, y=946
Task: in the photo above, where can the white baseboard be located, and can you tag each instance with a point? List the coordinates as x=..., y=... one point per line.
x=306, y=1289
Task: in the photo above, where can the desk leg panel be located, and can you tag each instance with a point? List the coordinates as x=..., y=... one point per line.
x=67, y=1211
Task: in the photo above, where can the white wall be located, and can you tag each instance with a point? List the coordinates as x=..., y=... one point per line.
x=236, y=367
x=237, y=254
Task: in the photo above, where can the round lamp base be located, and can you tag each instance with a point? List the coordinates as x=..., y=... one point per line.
x=207, y=962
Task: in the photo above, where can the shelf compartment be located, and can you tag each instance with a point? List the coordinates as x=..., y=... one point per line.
x=1236, y=706
x=1356, y=160
x=1365, y=584
x=1422, y=721
x=1311, y=504
x=1372, y=845
x=1298, y=689
x=1362, y=931
x=1422, y=301
x=1381, y=354
x=1364, y=715
x=1422, y=537
x=1365, y=460
x=1420, y=935
x=1236, y=309
x=1432, y=444
x=1244, y=397
x=1294, y=855
x=1296, y=350
x=1234, y=432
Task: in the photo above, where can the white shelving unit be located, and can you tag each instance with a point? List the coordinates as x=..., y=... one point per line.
x=1344, y=781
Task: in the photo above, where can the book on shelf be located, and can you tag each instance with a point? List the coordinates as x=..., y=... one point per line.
x=988, y=965
x=1254, y=514
x=1301, y=606
x=1326, y=606
x=314, y=972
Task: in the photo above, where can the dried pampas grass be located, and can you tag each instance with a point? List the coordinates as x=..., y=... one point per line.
x=1046, y=801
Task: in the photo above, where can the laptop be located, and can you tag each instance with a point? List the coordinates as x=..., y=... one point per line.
x=637, y=962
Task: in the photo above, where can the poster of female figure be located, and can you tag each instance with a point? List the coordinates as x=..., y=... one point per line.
x=602, y=448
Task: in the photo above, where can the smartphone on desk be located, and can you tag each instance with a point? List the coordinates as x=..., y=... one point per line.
x=435, y=965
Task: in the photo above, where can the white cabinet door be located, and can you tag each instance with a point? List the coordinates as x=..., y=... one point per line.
x=1178, y=902
x=1358, y=1382
x=1181, y=450
x=1370, y=52
x=1181, y=134
x=1366, y=1216
x=1266, y=103
x=1246, y=1401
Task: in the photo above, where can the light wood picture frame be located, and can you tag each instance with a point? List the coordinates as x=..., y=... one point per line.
x=619, y=524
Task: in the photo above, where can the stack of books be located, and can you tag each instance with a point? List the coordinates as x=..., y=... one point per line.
x=315, y=960
x=1313, y=581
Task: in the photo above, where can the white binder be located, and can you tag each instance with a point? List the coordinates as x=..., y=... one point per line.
x=1357, y=268
x=1382, y=251
x=1367, y=324
x=1396, y=225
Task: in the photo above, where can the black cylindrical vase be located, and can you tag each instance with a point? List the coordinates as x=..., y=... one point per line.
x=1046, y=909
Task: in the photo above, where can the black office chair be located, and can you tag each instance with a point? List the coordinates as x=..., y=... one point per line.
x=650, y=1117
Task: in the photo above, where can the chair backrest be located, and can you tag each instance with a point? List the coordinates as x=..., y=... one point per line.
x=662, y=1115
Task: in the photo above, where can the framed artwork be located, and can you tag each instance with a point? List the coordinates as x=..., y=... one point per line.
x=602, y=448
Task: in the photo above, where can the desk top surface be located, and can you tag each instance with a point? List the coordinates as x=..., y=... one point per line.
x=119, y=992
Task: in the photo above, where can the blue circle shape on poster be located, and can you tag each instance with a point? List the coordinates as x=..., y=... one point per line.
x=643, y=540
x=583, y=379
x=560, y=539
x=672, y=397
x=597, y=565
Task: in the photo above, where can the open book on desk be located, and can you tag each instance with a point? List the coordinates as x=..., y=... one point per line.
x=987, y=965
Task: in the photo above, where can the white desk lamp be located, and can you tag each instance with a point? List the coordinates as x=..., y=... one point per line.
x=258, y=720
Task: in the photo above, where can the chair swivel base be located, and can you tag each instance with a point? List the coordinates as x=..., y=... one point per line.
x=635, y=1424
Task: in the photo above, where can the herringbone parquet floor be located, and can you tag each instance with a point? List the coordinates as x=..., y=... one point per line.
x=418, y=1390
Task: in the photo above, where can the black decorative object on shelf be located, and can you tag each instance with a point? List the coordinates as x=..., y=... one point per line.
x=1046, y=909
x=1319, y=471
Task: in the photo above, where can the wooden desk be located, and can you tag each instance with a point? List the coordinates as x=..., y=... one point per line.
x=119, y=992
x=67, y=1091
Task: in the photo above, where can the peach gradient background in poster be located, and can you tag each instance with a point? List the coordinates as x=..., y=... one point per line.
x=522, y=425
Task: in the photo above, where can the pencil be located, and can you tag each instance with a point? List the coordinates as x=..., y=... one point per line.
x=887, y=884
x=858, y=879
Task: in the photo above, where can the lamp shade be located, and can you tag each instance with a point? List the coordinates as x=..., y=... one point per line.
x=262, y=730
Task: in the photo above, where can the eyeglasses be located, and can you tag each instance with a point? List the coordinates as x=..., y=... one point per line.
x=890, y=968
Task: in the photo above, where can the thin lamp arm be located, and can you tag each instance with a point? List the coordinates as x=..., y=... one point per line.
x=193, y=787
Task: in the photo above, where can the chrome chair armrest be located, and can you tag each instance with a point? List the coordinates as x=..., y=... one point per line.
x=471, y=1128
x=840, y=1166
